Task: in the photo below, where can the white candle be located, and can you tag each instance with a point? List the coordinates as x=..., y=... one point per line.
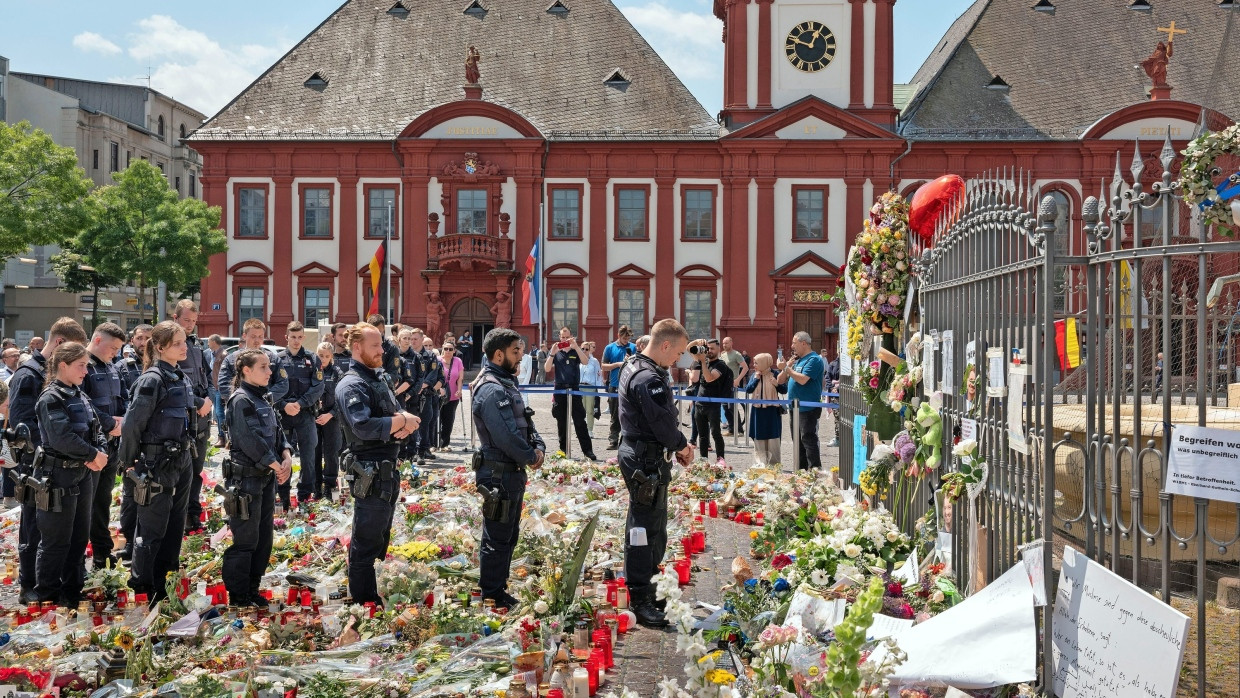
x=581, y=683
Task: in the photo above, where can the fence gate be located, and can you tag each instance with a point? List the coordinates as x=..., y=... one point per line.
x=1077, y=441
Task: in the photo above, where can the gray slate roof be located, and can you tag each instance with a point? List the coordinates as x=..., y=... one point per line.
x=384, y=71
x=1066, y=70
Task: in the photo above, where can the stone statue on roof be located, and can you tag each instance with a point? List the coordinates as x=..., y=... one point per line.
x=472, y=75
x=1156, y=64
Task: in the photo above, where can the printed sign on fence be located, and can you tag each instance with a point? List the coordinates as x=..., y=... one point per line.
x=859, y=455
x=1110, y=638
x=949, y=362
x=1205, y=462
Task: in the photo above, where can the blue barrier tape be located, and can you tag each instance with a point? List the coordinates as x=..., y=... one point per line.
x=551, y=390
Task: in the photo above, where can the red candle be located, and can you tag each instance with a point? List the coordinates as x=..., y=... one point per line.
x=370, y=608
x=687, y=544
x=714, y=509
x=97, y=621
x=267, y=594
x=183, y=588
x=292, y=596
x=731, y=512
x=602, y=639
x=139, y=599
x=306, y=597
x=429, y=601
x=612, y=585
x=622, y=623
x=758, y=519
x=682, y=570
x=701, y=508
x=592, y=670
x=122, y=597
x=554, y=693
x=699, y=541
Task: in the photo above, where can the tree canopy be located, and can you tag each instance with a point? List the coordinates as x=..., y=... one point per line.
x=43, y=192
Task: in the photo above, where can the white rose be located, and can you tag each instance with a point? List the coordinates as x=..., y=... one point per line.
x=893, y=536
x=937, y=596
x=540, y=607
x=852, y=550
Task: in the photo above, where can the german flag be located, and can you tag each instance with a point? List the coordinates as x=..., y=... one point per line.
x=379, y=282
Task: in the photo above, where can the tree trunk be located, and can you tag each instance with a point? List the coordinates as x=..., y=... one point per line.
x=142, y=299
x=94, y=304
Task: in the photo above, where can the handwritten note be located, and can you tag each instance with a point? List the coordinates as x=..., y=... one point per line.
x=927, y=360
x=988, y=640
x=1017, y=439
x=886, y=626
x=949, y=362
x=1110, y=638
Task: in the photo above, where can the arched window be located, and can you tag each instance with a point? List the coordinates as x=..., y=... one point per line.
x=182, y=131
x=159, y=127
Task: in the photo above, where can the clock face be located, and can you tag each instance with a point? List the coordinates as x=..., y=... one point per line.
x=810, y=46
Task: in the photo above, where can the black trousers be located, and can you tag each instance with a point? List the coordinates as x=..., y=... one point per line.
x=60, y=564
x=245, y=561
x=613, y=408
x=410, y=446
x=129, y=511
x=304, y=435
x=193, y=513
x=157, y=537
x=327, y=457
x=807, y=455
x=707, y=418
x=101, y=508
x=642, y=561
x=428, y=431
x=560, y=410
x=27, y=535
x=372, y=532
x=499, y=538
x=447, y=420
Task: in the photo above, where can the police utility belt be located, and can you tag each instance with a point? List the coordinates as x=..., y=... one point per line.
x=370, y=476
x=647, y=487
x=497, y=466
x=157, y=455
x=237, y=501
x=35, y=489
x=650, y=450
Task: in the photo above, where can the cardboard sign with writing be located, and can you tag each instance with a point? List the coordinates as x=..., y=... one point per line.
x=1110, y=638
x=1203, y=463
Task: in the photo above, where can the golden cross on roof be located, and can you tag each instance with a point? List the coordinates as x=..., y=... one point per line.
x=1171, y=31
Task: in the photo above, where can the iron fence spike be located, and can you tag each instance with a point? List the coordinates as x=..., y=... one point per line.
x=1168, y=153
x=1138, y=167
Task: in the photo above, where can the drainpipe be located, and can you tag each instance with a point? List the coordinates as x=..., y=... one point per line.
x=891, y=172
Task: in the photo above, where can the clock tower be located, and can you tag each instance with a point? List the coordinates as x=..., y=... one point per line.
x=777, y=52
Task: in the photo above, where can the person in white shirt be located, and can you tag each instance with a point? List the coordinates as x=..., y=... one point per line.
x=591, y=376
x=9, y=363
x=526, y=372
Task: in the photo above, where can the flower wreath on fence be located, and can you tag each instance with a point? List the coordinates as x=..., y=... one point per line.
x=878, y=272
x=1197, y=174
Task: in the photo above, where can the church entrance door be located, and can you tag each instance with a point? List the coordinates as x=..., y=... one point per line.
x=472, y=314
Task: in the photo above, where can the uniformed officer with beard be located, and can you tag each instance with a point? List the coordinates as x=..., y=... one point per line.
x=649, y=436
x=510, y=443
x=373, y=425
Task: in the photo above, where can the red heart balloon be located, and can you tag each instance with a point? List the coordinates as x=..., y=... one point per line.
x=931, y=200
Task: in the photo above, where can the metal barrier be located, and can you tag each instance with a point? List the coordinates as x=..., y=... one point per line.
x=1077, y=444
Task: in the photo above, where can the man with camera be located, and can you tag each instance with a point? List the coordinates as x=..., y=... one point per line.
x=510, y=444
x=714, y=380
x=566, y=362
x=614, y=356
x=650, y=431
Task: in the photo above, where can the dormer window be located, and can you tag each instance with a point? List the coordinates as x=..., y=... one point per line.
x=316, y=82
x=998, y=84
x=476, y=9
x=617, y=80
x=399, y=10
x=558, y=8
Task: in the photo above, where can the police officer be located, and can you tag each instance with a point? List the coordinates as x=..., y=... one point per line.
x=129, y=366
x=327, y=453
x=428, y=383
x=391, y=353
x=258, y=457
x=197, y=369
x=298, y=410
x=154, y=455
x=106, y=391
x=373, y=426
x=411, y=376
x=73, y=451
x=340, y=348
x=253, y=332
x=24, y=389
x=509, y=445
x=649, y=435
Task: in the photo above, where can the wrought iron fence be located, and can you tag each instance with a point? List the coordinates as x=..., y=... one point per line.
x=1076, y=441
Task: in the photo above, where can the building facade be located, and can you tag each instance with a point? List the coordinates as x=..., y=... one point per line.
x=577, y=135
x=108, y=125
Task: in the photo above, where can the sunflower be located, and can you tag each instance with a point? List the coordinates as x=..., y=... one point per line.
x=124, y=641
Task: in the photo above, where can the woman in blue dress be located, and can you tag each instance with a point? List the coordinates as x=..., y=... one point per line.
x=765, y=423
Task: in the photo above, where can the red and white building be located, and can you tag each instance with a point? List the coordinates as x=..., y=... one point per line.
x=651, y=207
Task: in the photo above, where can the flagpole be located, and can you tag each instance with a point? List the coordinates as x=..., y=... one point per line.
x=387, y=265
x=538, y=265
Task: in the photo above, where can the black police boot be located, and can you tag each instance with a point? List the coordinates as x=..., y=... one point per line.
x=28, y=597
x=647, y=611
x=125, y=553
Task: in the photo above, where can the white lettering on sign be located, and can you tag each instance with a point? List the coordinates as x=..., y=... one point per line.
x=1110, y=638
x=1202, y=463
x=470, y=131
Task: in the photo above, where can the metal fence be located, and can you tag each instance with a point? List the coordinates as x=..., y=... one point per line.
x=1076, y=441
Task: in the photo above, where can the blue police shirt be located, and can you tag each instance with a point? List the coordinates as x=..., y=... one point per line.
x=812, y=366
x=615, y=353
x=567, y=366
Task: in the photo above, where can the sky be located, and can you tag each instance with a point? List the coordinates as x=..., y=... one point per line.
x=204, y=53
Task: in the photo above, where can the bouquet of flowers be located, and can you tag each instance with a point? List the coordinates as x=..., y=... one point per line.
x=970, y=469
x=878, y=264
x=845, y=541
x=876, y=478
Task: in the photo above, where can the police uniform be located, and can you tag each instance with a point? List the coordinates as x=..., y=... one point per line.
x=327, y=452
x=305, y=389
x=154, y=449
x=649, y=436
x=365, y=404
x=129, y=367
x=250, y=499
x=24, y=389
x=430, y=372
x=71, y=437
x=196, y=369
x=107, y=394
x=508, y=444
x=567, y=365
x=411, y=373
x=228, y=372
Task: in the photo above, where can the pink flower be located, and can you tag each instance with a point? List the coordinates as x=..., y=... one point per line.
x=874, y=382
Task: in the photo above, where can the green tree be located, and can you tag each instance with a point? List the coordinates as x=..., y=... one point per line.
x=78, y=274
x=143, y=232
x=42, y=190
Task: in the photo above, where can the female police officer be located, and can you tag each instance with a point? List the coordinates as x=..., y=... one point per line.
x=155, y=457
x=259, y=456
x=73, y=447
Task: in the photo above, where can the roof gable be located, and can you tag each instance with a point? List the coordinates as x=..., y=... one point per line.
x=384, y=71
x=827, y=121
x=808, y=264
